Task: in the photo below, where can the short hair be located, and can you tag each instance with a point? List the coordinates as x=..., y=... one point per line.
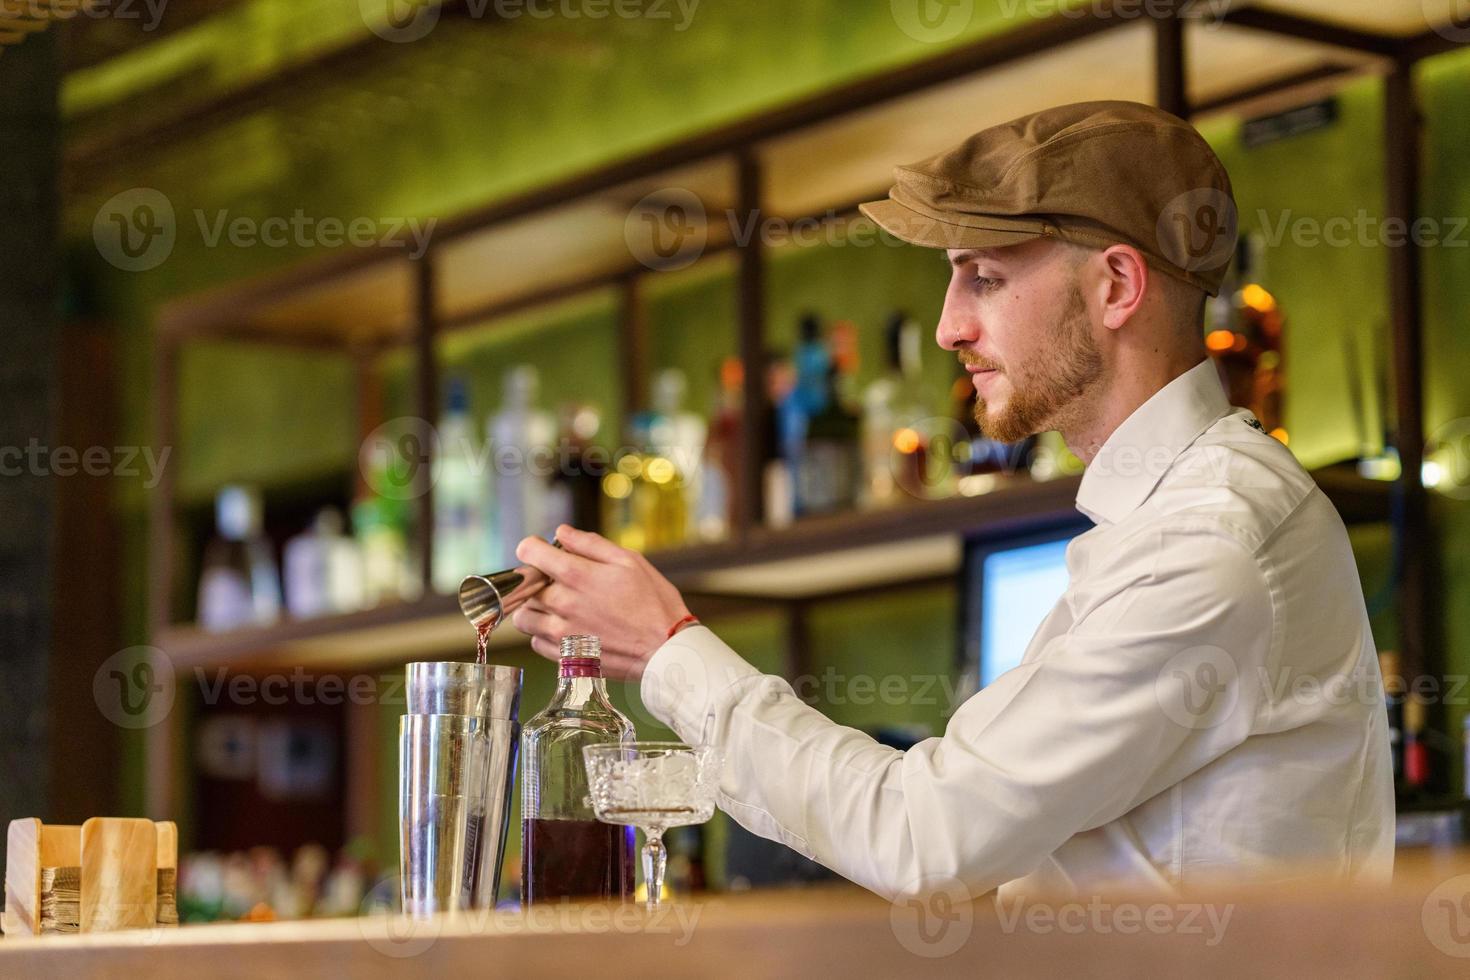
x=1186, y=302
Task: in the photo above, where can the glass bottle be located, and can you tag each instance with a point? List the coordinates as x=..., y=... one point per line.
x=721, y=476
x=521, y=434
x=679, y=436
x=1244, y=336
x=575, y=495
x=459, y=517
x=321, y=569
x=827, y=476
x=894, y=445
x=239, y=585
x=566, y=851
x=644, y=500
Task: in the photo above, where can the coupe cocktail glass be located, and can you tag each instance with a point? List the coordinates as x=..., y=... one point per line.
x=652, y=786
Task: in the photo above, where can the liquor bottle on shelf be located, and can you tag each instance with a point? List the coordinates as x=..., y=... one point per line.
x=721, y=477
x=786, y=429
x=1389, y=665
x=304, y=572
x=813, y=361
x=1416, y=749
x=459, y=499
x=322, y=569
x=679, y=436
x=380, y=525
x=520, y=435
x=566, y=852
x=575, y=494
x=239, y=585
x=1244, y=336
x=827, y=474
x=894, y=450
x=842, y=342
x=816, y=489
x=644, y=506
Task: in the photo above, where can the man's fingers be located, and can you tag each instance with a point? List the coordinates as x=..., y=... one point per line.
x=555, y=598
x=534, y=622
x=589, y=545
x=547, y=649
x=559, y=563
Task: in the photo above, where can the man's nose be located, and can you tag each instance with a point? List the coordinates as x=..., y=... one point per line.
x=956, y=328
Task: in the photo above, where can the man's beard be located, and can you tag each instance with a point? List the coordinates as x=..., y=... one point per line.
x=1054, y=379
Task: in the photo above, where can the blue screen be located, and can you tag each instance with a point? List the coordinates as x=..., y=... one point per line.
x=1020, y=587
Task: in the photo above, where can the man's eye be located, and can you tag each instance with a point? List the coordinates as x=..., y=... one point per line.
x=986, y=284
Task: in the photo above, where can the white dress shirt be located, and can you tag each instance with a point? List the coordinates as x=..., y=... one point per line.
x=1203, y=701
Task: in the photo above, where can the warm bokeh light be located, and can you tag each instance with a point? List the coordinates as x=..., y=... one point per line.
x=617, y=486
x=1258, y=299
x=906, y=441
x=1220, y=340
x=659, y=470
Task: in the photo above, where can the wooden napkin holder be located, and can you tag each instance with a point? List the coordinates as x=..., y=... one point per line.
x=110, y=873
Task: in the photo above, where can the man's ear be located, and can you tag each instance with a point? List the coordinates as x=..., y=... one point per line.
x=1125, y=276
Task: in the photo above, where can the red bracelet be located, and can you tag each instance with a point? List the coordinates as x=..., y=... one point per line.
x=686, y=621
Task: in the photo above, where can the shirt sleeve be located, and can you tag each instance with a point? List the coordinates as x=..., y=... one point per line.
x=1159, y=674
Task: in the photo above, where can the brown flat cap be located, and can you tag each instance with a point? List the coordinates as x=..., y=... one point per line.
x=1096, y=173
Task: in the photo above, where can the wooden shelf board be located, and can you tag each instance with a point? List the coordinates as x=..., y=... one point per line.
x=852, y=156
x=328, y=302
x=592, y=238
x=1223, y=59
x=1397, y=18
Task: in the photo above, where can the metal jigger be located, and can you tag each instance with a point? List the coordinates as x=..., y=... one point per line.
x=486, y=600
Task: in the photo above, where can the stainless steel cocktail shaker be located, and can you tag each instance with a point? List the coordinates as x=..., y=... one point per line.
x=456, y=765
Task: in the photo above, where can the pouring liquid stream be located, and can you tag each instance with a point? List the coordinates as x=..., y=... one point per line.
x=482, y=641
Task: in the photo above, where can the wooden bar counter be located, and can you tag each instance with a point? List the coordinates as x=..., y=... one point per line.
x=1418, y=927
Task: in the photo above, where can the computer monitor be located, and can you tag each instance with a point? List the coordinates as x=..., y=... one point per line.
x=1010, y=586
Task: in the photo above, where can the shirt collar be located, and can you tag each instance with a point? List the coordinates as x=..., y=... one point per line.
x=1141, y=450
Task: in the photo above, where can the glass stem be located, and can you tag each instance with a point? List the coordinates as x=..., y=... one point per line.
x=654, y=859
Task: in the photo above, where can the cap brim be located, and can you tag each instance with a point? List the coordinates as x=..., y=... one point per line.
x=963, y=231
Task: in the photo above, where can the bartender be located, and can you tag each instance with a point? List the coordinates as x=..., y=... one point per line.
x=1203, y=701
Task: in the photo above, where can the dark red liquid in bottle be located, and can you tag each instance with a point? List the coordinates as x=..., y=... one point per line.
x=575, y=859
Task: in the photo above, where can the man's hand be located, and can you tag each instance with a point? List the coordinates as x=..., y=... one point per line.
x=600, y=588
